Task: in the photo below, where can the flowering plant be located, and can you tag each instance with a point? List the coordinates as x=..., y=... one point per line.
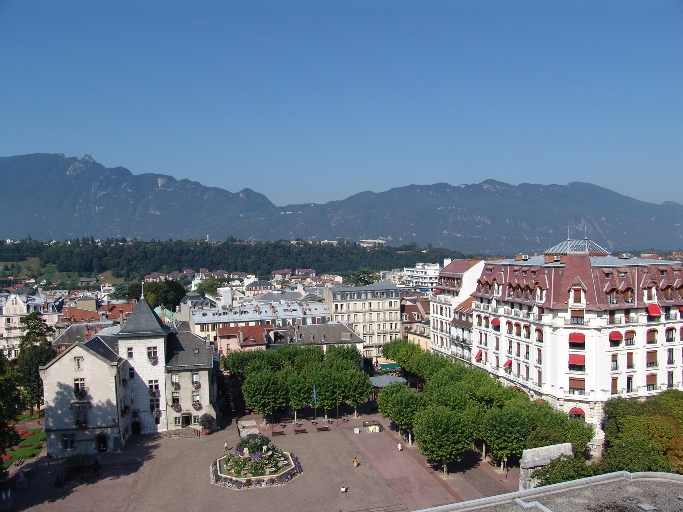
x=177, y=407
x=154, y=359
x=197, y=384
x=197, y=405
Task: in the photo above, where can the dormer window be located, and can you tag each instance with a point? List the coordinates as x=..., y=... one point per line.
x=533, y=273
x=608, y=275
x=576, y=294
x=516, y=272
x=622, y=274
x=662, y=272
x=524, y=273
x=489, y=270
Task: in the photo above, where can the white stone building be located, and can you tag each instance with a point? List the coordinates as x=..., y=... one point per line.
x=146, y=378
x=373, y=311
x=457, y=281
x=576, y=326
x=17, y=304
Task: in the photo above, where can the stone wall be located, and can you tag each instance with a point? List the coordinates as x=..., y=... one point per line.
x=536, y=458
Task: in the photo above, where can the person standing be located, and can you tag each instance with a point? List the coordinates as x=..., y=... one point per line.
x=400, y=448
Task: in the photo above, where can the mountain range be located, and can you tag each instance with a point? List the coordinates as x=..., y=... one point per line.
x=50, y=196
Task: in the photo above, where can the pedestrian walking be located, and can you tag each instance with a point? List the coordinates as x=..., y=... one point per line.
x=355, y=462
x=225, y=447
x=400, y=448
x=343, y=487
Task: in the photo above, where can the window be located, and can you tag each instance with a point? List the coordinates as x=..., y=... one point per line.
x=577, y=317
x=195, y=420
x=615, y=386
x=154, y=404
x=81, y=415
x=174, y=377
x=577, y=386
x=68, y=442
x=629, y=384
x=670, y=356
x=176, y=421
x=577, y=296
x=195, y=377
x=153, y=387
x=651, y=382
x=131, y=373
x=130, y=352
x=195, y=397
x=670, y=380
x=151, y=352
x=652, y=336
x=79, y=363
x=79, y=384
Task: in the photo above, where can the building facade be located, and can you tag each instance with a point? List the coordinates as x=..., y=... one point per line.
x=576, y=326
x=373, y=311
x=457, y=282
x=145, y=378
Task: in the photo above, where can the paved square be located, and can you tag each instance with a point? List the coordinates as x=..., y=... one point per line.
x=173, y=474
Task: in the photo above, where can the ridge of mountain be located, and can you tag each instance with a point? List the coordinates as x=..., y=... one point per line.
x=51, y=196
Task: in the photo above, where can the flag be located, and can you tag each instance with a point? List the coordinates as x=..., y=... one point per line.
x=315, y=396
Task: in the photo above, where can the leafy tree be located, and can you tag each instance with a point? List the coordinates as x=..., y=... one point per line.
x=12, y=403
x=363, y=277
x=264, y=392
x=401, y=405
x=356, y=388
x=563, y=469
x=209, y=285
x=299, y=392
x=506, y=430
x=343, y=354
x=659, y=430
x=442, y=434
x=134, y=291
x=168, y=293
x=633, y=453
x=328, y=389
x=675, y=454
x=36, y=333
x=29, y=362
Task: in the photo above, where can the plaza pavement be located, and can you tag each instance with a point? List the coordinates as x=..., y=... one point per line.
x=173, y=474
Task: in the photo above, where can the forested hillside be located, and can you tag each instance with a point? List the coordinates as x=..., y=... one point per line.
x=138, y=258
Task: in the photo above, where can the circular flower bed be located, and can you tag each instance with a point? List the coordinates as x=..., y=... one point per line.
x=256, y=462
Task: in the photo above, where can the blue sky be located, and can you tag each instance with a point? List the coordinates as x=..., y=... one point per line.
x=314, y=101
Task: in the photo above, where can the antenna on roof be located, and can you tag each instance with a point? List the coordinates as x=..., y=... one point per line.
x=142, y=290
x=567, y=231
x=585, y=231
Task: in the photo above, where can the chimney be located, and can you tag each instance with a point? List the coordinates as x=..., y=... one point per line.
x=120, y=317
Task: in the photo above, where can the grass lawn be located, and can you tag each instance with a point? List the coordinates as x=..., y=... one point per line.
x=28, y=448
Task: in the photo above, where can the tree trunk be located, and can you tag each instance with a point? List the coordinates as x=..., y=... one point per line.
x=483, y=451
x=294, y=415
x=325, y=413
x=355, y=411
x=410, y=438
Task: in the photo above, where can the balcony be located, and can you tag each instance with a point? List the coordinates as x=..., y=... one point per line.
x=633, y=319
x=652, y=387
x=526, y=356
x=630, y=366
x=672, y=316
x=575, y=391
x=652, y=364
x=630, y=342
x=615, y=366
x=575, y=320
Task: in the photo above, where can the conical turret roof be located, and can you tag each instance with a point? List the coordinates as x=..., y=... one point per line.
x=143, y=320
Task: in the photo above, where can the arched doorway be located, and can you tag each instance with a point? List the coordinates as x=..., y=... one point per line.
x=135, y=428
x=576, y=412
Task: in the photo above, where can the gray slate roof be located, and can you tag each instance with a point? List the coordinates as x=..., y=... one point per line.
x=379, y=285
x=143, y=320
x=324, y=334
x=74, y=333
x=98, y=346
x=185, y=349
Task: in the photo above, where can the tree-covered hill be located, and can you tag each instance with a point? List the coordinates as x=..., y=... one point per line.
x=54, y=197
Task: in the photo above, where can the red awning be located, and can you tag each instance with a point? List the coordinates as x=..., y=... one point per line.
x=653, y=310
x=576, y=411
x=680, y=309
x=578, y=359
x=496, y=321
x=616, y=336
x=577, y=336
x=438, y=290
x=478, y=356
x=508, y=363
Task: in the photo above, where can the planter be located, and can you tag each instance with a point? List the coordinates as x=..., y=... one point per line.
x=177, y=407
x=156, y=413
x=197, y=406
x=154, y=360
x=197, y=384
x=206, y=432
x=154, y=392
x=176, y=386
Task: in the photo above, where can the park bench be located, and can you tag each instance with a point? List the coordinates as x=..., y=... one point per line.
x=324, y=428
x=278, y=432
x=300, y=431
